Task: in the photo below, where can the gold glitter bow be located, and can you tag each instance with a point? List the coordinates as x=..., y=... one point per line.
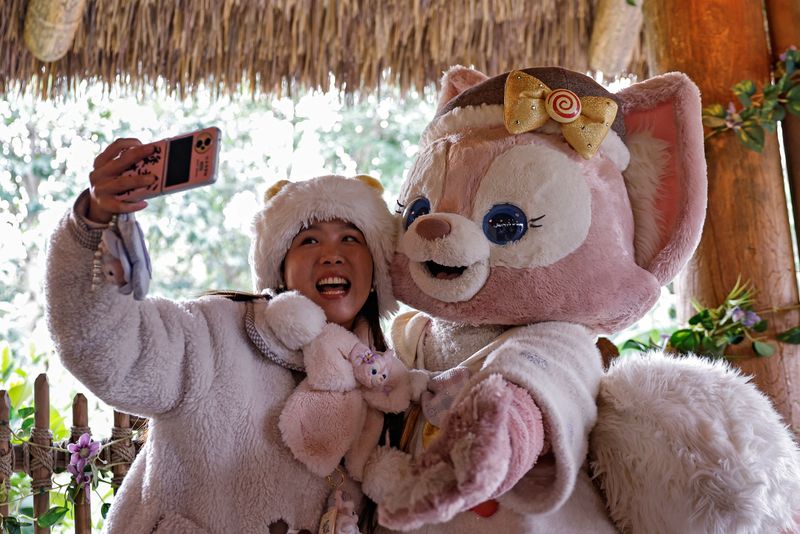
x=528, y=104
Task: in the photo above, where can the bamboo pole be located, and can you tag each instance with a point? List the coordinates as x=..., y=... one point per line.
x=40, y=473
x=784, y=31
x=80, y=424
x=718, y=43
x=5, y=448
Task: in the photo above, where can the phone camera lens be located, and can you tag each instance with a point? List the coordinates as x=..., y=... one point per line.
x=207, y=141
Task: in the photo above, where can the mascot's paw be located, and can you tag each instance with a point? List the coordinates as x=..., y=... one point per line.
x=384, y=470
x=688, y=445
x=294, y=319
x=463, y=467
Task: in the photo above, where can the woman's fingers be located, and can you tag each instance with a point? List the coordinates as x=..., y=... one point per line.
x=113, y=150
x=111, y=196
x=126, y=159
x=120, y=184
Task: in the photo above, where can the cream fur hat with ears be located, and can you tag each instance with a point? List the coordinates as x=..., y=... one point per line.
x=291, y=206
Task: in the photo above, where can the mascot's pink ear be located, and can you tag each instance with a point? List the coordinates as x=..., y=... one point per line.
x=666, y=177
x=457, y=80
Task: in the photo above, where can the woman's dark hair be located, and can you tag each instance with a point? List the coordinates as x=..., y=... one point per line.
x=370, y=313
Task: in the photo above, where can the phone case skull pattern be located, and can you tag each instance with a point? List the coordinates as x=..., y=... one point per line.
x=179, y=163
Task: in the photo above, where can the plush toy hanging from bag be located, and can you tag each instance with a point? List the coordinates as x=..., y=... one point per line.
x=543, y=210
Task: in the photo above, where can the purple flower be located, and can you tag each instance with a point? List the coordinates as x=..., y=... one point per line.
x=81, y=477
x=751, y=318
x=84, y=449
x=748, y=318
x=732, y=119
x=782, y=57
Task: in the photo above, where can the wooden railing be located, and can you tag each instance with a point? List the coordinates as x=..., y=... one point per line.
x=40, y=459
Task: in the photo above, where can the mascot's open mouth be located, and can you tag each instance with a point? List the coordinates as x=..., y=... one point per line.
x=443, y=272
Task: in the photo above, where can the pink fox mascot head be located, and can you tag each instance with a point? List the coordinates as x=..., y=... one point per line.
x=531, y=201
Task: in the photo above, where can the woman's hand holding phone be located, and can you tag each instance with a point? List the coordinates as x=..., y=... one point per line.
x=109, y=184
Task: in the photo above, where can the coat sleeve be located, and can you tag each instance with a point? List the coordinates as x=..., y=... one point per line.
x=142, y=357
x=560, y=367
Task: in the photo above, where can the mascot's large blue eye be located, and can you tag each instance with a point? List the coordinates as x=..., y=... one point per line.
x=420, y=206
x=505, y=223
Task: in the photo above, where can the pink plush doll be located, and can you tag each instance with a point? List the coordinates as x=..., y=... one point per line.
x=542, y=210
x=337, y=410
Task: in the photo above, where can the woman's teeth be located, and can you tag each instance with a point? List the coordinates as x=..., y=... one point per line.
x=333, y=285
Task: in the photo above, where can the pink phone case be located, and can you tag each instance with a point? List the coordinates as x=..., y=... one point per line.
x=179, y=163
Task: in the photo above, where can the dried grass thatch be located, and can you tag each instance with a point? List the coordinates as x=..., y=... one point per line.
x=272, y=45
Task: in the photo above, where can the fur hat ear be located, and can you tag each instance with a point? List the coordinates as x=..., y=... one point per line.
x=370, y=181
x=455, y=81
x=274, y=188
x=666, y=177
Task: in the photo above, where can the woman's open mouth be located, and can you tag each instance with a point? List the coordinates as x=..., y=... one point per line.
x=443, y=272
x=333, y=286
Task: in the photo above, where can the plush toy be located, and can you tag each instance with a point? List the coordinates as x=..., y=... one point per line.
x=542, y=210
x=337, y=410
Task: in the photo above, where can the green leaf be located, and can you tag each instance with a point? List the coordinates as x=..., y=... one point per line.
x=793, y=100
x=715, y=110
x=771, y=92
x=714, y=122
x=634, y=344
x=11, y=525
x=763, y=349
x=743, y=91
x=733, y=338
x=20, y=393
x=25, y=412
x=685, y=340
x=52, y=516
x=752, y=136
x=791, y=336
x=760, y=326
x=104, y=509
x=27, y=423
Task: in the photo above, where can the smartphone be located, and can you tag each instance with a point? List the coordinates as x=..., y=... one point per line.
x=178, y=163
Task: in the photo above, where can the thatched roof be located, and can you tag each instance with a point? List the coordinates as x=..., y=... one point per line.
x=272, y=45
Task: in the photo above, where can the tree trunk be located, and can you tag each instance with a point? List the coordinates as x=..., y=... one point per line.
x=718, y=43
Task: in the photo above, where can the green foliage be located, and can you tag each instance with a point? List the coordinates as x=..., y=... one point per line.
x=711, y=331
x=759, y=113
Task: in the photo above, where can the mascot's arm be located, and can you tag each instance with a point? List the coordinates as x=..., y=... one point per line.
x=689, y=445
x=542, y=376
x=558, y=365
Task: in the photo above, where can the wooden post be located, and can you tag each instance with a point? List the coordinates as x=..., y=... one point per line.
x=40, y=470
x=784, y=31
x=121, y=431
x=80, y=424
x=718, y=43
x=5, y=449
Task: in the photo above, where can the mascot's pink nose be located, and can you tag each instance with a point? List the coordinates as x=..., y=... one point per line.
x=431, y=228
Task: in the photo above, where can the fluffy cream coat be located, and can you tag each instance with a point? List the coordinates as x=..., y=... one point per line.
x=214, y=460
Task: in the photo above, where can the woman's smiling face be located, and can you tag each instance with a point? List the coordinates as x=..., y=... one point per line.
x=330, y=263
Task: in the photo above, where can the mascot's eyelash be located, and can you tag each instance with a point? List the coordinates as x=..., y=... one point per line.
x=400, y=207
x=536, y=219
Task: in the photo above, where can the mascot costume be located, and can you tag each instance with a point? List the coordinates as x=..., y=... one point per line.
x=541, y=211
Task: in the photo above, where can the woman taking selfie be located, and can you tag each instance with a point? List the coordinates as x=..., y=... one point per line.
x=213, y=374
